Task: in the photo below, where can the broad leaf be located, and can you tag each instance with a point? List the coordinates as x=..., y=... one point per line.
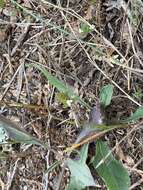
x=136, y=115
x=106, y=95
x=60, y=85
x=111, y=171
x=80, y=173
x=12, y=133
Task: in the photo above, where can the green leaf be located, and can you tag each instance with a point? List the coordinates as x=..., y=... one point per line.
x=53, y=166
x=111, y=171
x=85, y=28
x=136, y=115
x=60, y=85
x=80, y=173
x=12, y=133
x=62, y=98
x=2, y=3
x=106, y=95
x=83, y=154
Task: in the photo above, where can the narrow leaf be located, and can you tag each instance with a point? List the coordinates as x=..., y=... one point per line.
x=53, y=166
x=111, y=171
x=12, y=133
x=60, y=85
x=91, y=134
x=136, y=115
x=80, y=173
x=106, y=95
x=91, y=129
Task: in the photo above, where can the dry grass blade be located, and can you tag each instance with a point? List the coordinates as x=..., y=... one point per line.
x=2, y=185
x=8, y=86
x=137, y=184
x=97, y=67
x=11, y=175
x=20, y=40
x=21, y=105
x=94, y=135
x=71, y=48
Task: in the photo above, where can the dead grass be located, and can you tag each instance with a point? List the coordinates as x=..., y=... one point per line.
x=41, y=32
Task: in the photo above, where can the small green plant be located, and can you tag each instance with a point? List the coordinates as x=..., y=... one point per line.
x=63, y=99
x=2, y=3
x=104, y=162
x=85, y=29
x=64, y=89
x=108, y=168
